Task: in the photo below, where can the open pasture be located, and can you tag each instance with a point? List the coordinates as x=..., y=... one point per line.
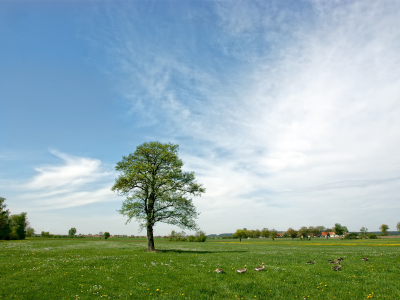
x=121, y=269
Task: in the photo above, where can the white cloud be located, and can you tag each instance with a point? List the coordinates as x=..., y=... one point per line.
x=76, y=182
x=75, y=171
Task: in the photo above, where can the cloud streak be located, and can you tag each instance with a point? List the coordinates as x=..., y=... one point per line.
x=78, y=181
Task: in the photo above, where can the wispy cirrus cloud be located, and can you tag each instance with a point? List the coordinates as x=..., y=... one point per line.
x=77, y=181
x=276, y=101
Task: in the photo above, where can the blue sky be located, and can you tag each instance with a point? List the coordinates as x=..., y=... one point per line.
x=287, y=111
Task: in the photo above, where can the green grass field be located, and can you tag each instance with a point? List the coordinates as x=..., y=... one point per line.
x=121, y=269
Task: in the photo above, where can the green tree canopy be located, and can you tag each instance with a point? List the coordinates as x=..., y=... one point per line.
x=384, y=228
x=265, y=232
x=5, y=228
x=398, y=226
x=72, y=232
x=319, y=230
x=273, y=233
x=339, y=229
x=304, y=231
x=157, y=188
x=364, y=231
x=292, y=233
x=30, y=232
x=256, y=233
x=240, y=234
x=18, y=224
x=106, y=235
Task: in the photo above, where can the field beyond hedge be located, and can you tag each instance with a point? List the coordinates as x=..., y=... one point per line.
x=121, y=269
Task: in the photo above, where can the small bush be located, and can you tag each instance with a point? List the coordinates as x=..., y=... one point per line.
x=351, y=236
x=372, y=236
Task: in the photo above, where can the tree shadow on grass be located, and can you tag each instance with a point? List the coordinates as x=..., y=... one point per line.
x=196, y=251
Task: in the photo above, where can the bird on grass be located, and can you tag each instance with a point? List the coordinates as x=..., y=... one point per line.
x=311, y=262
x=260, y=268
x=365, y=258
x=219, y=270
x=332, y=261
x=337, y=268
x=242, y=270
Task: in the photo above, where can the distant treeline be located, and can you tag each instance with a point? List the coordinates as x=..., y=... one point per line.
x=200, y=236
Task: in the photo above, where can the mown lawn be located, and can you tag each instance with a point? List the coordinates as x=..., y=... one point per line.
x=121, y=269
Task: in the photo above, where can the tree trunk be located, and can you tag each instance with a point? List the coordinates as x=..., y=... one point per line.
x=150, y=239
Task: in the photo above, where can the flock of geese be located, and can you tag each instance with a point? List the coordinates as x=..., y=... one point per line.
x=244, y=270
x=311, y=262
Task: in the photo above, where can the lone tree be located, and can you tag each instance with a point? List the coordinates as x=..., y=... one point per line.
x=339, y=229
x=156, y=188
x=364, y=232
x=72, y=232
x=106, y=235
x=398, y=227
x=240, y=234
x=384, y=228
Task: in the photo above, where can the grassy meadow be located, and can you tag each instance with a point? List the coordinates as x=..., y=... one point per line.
x=121, y=269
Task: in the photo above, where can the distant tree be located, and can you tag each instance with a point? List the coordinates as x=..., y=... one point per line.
x=311, y=231
x=45, y=234
x=72, y=232
x=249, y=233
x=106, y=235
x=398, y=227
x=351, y=236
x=156, y=188
x=372, y=236
x=315, y=232
x=30, y=232
x=384, y=228
x=320, y=230
x=18, y=224
x=273, y=233
x=304, y=231
x=200, y=236
x=292, y=233
x=265, y=232
x=256, y=234
x=240, y=234
x=172, y=236
x=5, y=228
x=363, y=232
x=339, y=229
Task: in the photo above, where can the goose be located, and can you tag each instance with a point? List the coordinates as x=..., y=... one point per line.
x=336, y=261
x=337, y=268
x=311, y=262
x=365, y=258
x=260, y=268
x=331, y=261
x=242, y=270
x=219, y=270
